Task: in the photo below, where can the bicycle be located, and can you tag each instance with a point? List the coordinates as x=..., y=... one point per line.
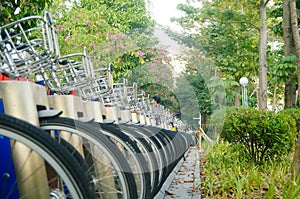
x=118, y=165
x=127, y=190
x=64, y=173
x=131, y=160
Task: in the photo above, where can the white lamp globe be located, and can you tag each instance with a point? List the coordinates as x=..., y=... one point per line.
x=244, y=81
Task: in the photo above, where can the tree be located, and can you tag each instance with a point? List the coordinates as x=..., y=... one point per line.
x=234, y=36
x=295, y=33
x=94, y=23
x=120, y=14
x=227, y=33
x=98, y=26
x=289, y=50
x=119, y=33
x=296, y=38
x=14, y=10
x=263, y=65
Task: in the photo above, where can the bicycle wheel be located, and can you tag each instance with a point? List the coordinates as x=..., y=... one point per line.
x=112, y=175
x=148, y=150
x=157, y=146
x=134, y=156
x=35, y=165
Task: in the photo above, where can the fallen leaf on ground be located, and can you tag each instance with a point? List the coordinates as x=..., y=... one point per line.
x=169, y=193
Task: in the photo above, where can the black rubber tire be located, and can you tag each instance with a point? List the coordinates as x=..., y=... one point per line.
x=112, y=131
x=152, y=148
x=93, y=136
x=55, y=155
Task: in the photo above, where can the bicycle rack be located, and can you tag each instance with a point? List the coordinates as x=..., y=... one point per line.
x=94, y=110
x=74, y=106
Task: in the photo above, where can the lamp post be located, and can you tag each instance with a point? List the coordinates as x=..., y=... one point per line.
x=244, y=82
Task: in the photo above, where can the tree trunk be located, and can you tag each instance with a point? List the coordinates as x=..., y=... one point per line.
x=290, y=92
x=289, y=49
x=274, y=97
x=295, y=31
x=237, y=99
x=296, y=160
x=263, y=65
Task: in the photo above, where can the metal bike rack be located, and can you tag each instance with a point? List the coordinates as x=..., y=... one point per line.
x=125, y=116
x=94, y=110
x=75, y=107
x=72, y=107
x=112, y=113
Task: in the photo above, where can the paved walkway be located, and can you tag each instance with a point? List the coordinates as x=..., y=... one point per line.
x=184, y=180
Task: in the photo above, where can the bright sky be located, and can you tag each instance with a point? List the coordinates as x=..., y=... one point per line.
x=163, y=10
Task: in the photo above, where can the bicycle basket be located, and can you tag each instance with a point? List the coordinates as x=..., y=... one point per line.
x=97, y=87
x=98, y=81
x=24, y=51
x=68, y=75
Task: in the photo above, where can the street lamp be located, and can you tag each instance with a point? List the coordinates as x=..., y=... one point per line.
x=244, y=81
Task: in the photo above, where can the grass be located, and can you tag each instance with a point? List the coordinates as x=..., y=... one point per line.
x=225, y=175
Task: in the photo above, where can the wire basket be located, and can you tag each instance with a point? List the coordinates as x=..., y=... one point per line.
x=120, y=95
x=75, y=72
x=98, y=81
x=26, y=46
x=94, y=89
x=68, y=74
x=131, y=94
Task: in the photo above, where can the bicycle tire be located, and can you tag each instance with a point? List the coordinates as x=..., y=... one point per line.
x=56, y=156
x=149, y=149
x=92, y=139
x=159, y=149
x=134, y=156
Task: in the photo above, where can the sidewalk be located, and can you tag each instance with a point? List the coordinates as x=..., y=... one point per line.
x=184, y=180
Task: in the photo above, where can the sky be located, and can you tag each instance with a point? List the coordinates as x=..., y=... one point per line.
x=163, y=10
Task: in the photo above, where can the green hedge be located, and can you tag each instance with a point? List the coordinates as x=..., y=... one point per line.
x=262, y=135
x=295, y=113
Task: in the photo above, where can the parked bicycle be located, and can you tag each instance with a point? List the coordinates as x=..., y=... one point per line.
x=106, y=128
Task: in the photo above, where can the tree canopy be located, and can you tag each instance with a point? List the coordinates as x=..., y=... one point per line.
x=228, y=33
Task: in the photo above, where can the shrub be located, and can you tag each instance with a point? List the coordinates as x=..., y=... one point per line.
x=216, y=121
x=295, y=113
x=263, y=135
